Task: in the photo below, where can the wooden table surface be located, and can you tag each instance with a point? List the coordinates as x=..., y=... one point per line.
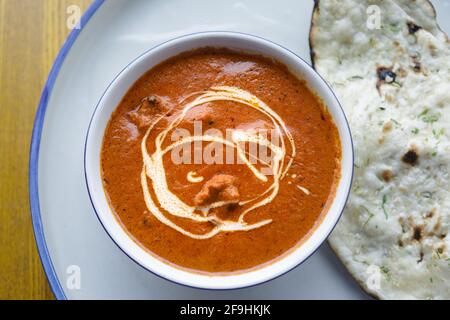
x=31, y=34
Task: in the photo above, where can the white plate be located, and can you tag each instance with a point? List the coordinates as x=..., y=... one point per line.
x=68, y=234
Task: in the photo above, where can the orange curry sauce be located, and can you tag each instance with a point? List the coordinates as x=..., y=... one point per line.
x=304, y=191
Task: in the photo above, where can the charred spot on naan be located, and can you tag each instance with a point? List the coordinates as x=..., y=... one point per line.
x=412, y=27
x=387, y=175
x=411, y=157
x=385, y=75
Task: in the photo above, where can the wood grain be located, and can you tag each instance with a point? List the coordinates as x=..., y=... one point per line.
x=31, y=34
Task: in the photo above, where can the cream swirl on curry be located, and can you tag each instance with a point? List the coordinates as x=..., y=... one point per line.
x=153, y=166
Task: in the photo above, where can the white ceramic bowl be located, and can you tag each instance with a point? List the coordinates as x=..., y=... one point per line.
x=114, y=94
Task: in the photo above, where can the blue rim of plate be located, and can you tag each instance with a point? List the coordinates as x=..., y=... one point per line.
x=52, y=278
x=34, y=157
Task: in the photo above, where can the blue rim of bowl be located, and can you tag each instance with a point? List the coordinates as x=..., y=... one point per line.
x=33, y=182
x=308, y=66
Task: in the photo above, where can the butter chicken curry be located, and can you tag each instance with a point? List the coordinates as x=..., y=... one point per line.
x=219, y=161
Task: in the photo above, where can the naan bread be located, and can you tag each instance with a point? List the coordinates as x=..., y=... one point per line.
x=394, y=84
